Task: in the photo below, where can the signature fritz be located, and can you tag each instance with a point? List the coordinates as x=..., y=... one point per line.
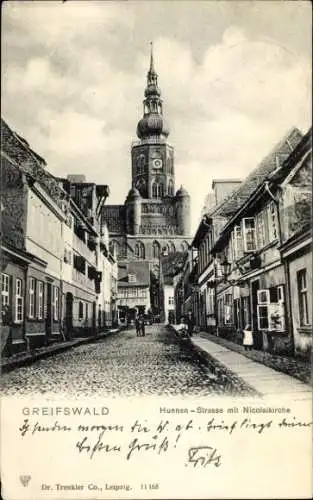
x=203, y=456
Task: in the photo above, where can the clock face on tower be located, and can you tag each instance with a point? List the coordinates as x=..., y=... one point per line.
x=157, y=163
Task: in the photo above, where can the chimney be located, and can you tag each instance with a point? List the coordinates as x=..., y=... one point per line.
x=76, y=178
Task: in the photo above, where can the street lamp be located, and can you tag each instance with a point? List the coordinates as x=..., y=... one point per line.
x=225, y=268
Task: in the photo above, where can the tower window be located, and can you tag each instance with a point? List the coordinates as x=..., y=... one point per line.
x=171, y=247
x=156, y=250
x=184, y=246
x=157, y=190
x=140, y=250
x=170, y=188
x=140, y=164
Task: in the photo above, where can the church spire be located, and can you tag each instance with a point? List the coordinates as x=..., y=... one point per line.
x=151, y=70
x=152, y=124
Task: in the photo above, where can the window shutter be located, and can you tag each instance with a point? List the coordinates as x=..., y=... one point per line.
x=273, y=295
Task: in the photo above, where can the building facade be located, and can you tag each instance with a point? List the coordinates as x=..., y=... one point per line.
x=256, y=289
x=246, y=272
x=133, y=290
x=57, y=269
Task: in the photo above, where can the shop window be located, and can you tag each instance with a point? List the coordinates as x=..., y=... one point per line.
x=19, y=301
x=40, y=298
x=249, y=239
x=303, y=297
x=31, y=298
x=270, y=311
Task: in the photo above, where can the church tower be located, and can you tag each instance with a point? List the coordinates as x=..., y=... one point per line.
x=152, y=157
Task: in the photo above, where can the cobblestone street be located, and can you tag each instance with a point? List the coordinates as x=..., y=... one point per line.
x=124, y=365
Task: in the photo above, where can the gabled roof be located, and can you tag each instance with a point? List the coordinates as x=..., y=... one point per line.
x=138, y=268
x=268, y=165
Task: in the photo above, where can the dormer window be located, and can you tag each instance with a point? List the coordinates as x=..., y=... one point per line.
x=131, y=278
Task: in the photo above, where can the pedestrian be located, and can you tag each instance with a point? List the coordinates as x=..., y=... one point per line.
x=190, y=323
x=142, y=325
x=137, y=324
x=247, y=338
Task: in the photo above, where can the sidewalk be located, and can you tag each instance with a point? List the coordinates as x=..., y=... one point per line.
x=27, y=358
x=301, y=370
x=266, y=381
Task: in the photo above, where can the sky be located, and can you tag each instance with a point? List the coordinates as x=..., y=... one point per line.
x=235, y=76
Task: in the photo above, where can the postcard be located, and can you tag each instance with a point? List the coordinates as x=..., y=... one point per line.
x=156, y=250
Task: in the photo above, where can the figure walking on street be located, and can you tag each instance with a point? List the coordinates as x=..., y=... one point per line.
x=190, y=323
x=142, y=326
x=247, y=338
x=137, y=324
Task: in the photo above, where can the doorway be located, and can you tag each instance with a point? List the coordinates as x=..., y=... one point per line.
x=69, y=314
x=49, y=310
x=255, y=286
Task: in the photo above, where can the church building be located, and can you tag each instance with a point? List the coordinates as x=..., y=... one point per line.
x=154, y=220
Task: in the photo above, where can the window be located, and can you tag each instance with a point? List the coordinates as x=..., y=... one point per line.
x=87, y=309
x=171, y=247
x=237, y=243
x=56, y=303
x=228, y=308
x=210, y=300
x=31, y=291
x=80, y=310
x=5, y=290
x=157, y=190
x=272, y=222
x=270, y=310
x=171, y=301
x=140, y=250
x=131, y=278
x=19, y=301
x=303, y=297
x=170, y=188
x=40, y=299
x=248, y=225
x=184, y=246
x=261, y=230
x=263, y=318
x=140, y=164
x=156, y=250
x=280, y=294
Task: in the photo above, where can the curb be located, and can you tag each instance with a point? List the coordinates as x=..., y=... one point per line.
x=31, y=358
